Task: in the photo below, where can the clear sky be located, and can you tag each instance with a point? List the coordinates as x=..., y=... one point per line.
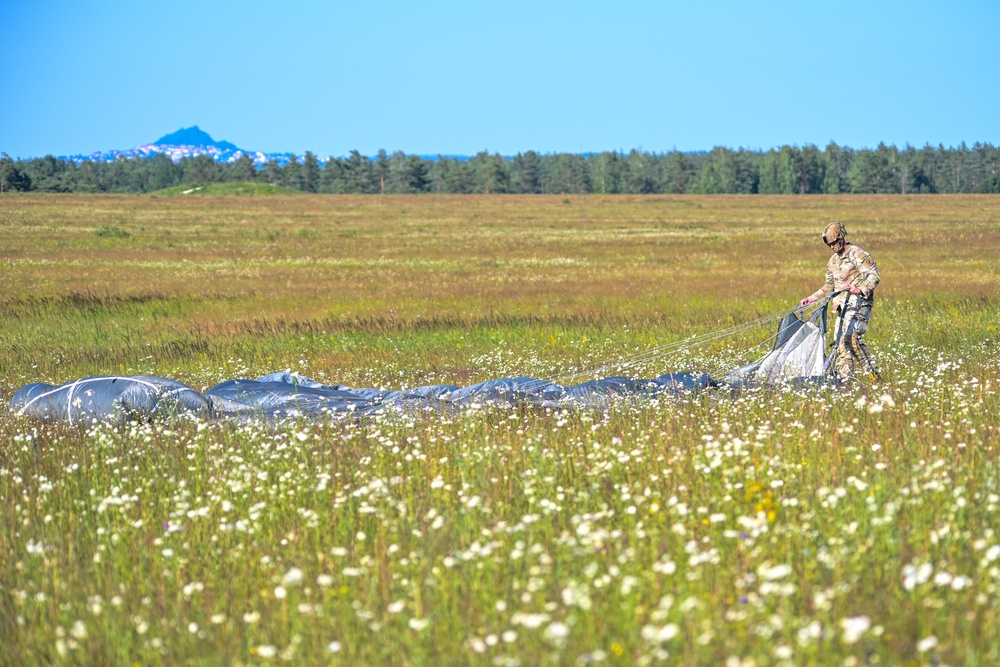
x=459, y=77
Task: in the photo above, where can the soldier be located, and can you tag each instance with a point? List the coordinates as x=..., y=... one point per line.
x=852, y=272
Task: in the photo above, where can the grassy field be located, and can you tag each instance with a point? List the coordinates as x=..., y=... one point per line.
x=773, y=527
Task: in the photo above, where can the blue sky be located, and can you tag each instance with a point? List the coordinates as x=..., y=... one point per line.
x=461, y=77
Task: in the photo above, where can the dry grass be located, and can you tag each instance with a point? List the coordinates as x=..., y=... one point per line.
x=221, y=277
x=834, y=528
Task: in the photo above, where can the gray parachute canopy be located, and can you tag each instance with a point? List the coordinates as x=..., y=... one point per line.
x=117, y=399
x=797, y=354
x=287, y=395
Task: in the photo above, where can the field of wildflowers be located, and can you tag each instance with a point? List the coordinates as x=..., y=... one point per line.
x=765, y=527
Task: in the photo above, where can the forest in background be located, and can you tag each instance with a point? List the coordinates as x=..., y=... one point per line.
x=786, y=170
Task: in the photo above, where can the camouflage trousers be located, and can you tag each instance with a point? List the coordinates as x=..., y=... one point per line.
x=851, y=350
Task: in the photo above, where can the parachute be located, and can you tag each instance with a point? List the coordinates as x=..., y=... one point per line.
x=280, y=396
x=117, y=399
x=797, y=356
x=798, y=352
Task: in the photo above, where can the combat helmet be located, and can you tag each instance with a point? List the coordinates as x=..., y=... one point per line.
x=834, y=231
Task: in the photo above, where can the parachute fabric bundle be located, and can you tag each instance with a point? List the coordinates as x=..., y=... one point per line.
x=109, y=398
x=798, y=352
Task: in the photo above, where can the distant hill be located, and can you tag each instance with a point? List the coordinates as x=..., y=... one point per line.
x=194, y=136
x=190, y=142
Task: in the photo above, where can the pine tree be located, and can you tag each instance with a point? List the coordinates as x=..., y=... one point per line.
x=11, y=176
x=358, y=174
x=291, y=174
x=272, y=172
x=199, y=169
x=678, y=173
x=527, y=173
x=381, y=169
x=491, y=173
x=243, y=169
x=458, y=178
x=310, y=173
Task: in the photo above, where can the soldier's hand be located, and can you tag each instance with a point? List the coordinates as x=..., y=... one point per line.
x=806, y=301
x=853, y=289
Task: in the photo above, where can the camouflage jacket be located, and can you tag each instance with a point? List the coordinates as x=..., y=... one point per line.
x=853, y=267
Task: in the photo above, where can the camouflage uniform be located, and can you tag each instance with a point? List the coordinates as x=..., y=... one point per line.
x=853, y=267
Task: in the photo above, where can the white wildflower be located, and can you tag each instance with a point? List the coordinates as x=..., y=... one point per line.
x=854, y=627
x=775, y=572
x=651, y=633
x=943, y=579
x=293, y=577
x=530, y=621
x=79, y=630
x=557, y=632
x=914, y=576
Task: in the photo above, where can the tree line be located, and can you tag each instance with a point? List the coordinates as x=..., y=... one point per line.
x=786, y=170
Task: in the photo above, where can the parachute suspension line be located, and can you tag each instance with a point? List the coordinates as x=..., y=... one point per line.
x=662, y=351
x=769, y=340
x=801, y=311
x=671, y=348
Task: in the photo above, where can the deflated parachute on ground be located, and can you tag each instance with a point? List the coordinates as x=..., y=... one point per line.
x=797, y=354
x=286, y=395
x=114, y=398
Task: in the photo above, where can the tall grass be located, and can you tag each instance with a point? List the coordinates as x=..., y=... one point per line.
x=766, y=527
